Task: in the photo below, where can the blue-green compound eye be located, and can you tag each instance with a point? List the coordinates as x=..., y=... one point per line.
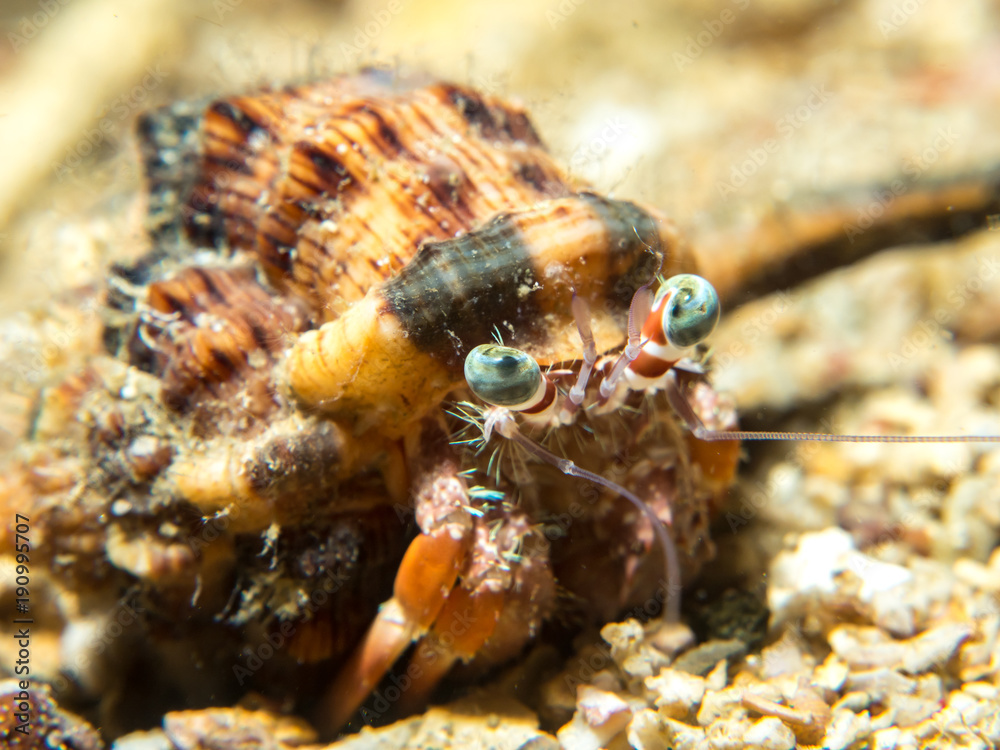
x=502, y=376
x=692, y=312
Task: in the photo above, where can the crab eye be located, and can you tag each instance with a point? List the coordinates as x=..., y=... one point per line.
x=502, y=376
x=691, y=312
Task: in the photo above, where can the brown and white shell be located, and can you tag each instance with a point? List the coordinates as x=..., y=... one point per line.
x=400, y=226
x=368, y=234
x=323, y=257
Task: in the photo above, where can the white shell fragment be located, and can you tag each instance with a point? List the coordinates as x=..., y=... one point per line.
x=600, y=716
x=676, y=694
x=770, y=734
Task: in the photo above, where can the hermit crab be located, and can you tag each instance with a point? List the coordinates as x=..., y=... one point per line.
x=283, y=457
x=389, y=396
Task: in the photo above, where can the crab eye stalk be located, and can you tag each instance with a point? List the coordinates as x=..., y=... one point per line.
x=503, y=376
x=692, y=310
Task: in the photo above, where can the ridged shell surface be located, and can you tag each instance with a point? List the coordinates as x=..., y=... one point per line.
x=406, y=224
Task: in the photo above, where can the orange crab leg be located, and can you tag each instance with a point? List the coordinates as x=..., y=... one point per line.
x=465, y=623
x=426, y=576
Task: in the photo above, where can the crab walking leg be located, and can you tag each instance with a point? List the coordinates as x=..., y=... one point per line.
x=426, y=576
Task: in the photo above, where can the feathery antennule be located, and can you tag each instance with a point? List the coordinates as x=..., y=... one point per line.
x=471, y=432
x=480, y=423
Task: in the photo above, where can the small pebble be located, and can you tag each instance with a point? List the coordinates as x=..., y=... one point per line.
x=683, y=736
x=702, y=659
x=727, y=735
x=831, y=674
x=677, y=694
x=599, y=717
x=770, y=734
x=846, y=728
x=647, y=731
x=672, y=638
x=721, y=704
x=716, y=679
x=152, y=740
x=934, y=647
x=600, y=708
x=887, y=739
x=981, y=690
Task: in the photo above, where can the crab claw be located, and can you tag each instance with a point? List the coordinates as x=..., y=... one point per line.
x=426, y=576
x=478, y=595
x=465, y=623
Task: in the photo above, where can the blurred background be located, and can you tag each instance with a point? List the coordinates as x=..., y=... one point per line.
x=660, y=101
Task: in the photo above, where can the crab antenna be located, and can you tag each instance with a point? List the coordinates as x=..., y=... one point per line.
x=637, y=311
x=672, y=604
x=704, y=433
x=683, y=409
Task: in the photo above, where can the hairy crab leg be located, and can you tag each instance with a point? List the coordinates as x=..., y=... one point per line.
x=465, y=579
